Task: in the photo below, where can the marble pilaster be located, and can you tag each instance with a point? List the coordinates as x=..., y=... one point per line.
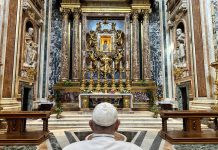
x=76, y=46
x=146, y=48
x=64, y=48
x=135, y=47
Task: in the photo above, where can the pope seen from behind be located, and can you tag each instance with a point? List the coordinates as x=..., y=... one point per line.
x=104, y=124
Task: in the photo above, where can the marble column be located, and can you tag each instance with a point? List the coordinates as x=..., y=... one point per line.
x=135, y=47
x=128, y=34
x=146, y=48
x=64, y=48
x=76, y=46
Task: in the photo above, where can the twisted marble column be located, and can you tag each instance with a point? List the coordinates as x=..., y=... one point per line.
x=76, y=46
x=64, y=48
x=135, y=47
x=146, y=48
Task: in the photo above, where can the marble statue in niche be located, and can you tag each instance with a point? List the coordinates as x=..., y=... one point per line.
x=180, y=54
x=30, y=49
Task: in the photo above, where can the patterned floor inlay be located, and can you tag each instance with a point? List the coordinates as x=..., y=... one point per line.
x=147, y=140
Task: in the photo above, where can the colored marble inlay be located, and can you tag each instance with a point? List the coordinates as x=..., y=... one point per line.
x=154, y=40
x=56, y=39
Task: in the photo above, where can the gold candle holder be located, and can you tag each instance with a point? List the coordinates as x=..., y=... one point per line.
x=91, y=81
x=128, y=86
x=113, y=86
x=98, y=87
x=105, y=83
x=83, y=85
x=120, y=80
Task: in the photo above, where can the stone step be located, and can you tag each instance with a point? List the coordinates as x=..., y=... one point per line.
x=201, y=104
x=122, y=119
x=129, y=120
x=122, y=125
x=200, y=108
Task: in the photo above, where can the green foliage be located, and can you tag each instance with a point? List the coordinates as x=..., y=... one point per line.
x=152, y=106
x=151, y=96
x=58, y=106
x=155, y=110
x=68, y=83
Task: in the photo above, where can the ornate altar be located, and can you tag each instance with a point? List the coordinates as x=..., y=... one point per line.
x=103, y=54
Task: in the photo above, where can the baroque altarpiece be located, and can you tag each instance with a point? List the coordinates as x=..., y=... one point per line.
x=106, y=50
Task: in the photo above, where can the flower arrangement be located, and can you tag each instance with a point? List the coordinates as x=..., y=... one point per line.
x=58, y=104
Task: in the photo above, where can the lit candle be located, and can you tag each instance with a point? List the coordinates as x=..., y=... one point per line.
x=98, y=64
x=113, y=64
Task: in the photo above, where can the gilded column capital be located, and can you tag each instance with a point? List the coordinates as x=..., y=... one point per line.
x=135, y=14
x=65, y=11
x=77, y=13
x=145, y=14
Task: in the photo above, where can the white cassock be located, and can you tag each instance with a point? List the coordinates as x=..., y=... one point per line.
x=102, y=142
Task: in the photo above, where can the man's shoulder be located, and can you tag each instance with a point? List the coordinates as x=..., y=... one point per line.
x=130, y=145
x=75, y=145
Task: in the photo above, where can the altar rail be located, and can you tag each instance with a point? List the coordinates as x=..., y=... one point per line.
x=192, y=132
x=17, y=134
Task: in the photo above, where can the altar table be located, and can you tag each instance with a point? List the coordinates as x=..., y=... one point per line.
x=106, y=95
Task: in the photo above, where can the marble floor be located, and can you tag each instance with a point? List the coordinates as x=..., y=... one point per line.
x=147, y=140
x=140, y=128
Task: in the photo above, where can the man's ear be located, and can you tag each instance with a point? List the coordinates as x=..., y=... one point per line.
x=117, y=124
x=91, y=124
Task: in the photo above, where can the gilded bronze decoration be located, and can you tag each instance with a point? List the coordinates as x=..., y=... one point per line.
x=106, y=40
x=103, y=58
x=178, y=72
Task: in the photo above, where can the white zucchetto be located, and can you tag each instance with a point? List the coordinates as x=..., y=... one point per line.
x=104, y=114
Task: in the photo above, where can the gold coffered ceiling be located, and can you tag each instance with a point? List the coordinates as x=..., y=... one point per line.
x=106, y=5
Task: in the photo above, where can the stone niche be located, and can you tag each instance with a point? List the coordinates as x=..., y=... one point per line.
x=29, y=54
x=178, y=26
